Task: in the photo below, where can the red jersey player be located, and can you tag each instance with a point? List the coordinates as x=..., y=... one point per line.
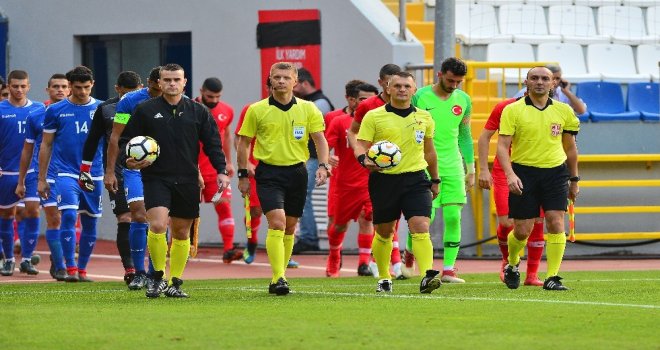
x=351, y=181
x=498, y=181
x=223, y=115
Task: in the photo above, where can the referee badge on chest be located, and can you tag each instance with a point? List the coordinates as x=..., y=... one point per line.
x=555, y=129
x=419, y=136
x=298, y=132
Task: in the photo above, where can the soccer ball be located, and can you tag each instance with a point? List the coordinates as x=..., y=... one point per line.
x=385, y=154
x=143, y=147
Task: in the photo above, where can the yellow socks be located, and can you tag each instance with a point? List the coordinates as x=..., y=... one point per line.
x=288, y=249
x=381, y=248
x=178, y=257
x=423, y=250
x=157, y=244
x=554, y=252
x=515, y=247
x=275, y=251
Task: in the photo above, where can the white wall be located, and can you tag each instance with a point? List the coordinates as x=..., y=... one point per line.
x=358, y=37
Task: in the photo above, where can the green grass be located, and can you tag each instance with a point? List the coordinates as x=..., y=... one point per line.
x=603, y=310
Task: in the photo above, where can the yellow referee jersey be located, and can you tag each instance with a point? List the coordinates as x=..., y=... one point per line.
x=282, y=131
x=537, y=133
x=406, y=132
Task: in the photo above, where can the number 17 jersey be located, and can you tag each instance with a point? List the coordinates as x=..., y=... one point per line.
x=70, y=123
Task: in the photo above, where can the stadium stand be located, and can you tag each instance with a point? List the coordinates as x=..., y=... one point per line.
x=509, y=52
x=605, y=102
x=598, y=3
x=653, y=21
x=648, y=57
x=625, y=24
x=645, y=98
x=614, y=62
x=478, y=25
x=571, y=59
x=526, y=23
x=575, y=24
x=640, y=3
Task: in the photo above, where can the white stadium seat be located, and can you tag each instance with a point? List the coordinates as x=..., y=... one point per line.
x=571, y=59
x=614, y=62
x=640, y=3
x=598, y=3
x=648, y=57
x=575, y=24
x=509, y=52
x=477, y=24
x=526, y=23
x=625, y=24
x=653, y=21
x=546, y=3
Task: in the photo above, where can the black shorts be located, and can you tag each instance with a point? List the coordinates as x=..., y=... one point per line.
x=545, y=188
x=118, y=200
x=407, y=193
x=182, y=199
x=282, y=187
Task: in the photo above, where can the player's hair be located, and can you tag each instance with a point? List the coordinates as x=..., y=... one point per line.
x=351, y=87
x=170, y=67
x=366, y=87
x=55, y=76
x=388, y=69
x=554, y=68
x=2, y=83
x=212, y=84
x=454, y=65
x=305, y=75
x=129, y=80
x=18, y=75
x=154, y=74
x=404, y=74
x=285, y=66
x=80, y=74
x=531, y=69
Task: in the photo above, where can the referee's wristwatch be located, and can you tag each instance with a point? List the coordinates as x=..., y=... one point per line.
x=435, y=181
x=323, y=165
x=574, y=179
x=242, y=173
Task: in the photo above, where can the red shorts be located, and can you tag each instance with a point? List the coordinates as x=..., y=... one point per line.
x=211, y=188
x=254, y=198
x=332, y=196
x=351, y=209
x=500, y=192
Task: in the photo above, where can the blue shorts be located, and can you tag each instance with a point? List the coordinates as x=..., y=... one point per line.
x=31, y=194
x=71, y=196
x=8, y=197
x=133, y=186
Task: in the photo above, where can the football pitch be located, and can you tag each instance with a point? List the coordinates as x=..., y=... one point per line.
x=603, y=310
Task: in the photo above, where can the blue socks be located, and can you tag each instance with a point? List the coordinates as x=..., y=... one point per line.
x=7, y=237
x=53, y=239
x=137, y=236
x=68, y=236
x=87, y=240
x=29, y=237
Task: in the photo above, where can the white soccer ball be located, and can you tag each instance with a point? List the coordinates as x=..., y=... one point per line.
x=143, y=147
x=385, y=154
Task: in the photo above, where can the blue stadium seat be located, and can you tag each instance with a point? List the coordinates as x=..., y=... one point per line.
x=605, y=102
x=645, y=98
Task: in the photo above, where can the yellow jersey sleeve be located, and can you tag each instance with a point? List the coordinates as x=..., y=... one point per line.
x=249, y=126
x=508, y=121
x=316, y=122
x=572, y=121
x=367, y=128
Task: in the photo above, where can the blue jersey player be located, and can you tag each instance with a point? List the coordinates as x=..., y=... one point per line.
x=14, y=113
x=66, y=125
x=27, y=189
x=132, y=179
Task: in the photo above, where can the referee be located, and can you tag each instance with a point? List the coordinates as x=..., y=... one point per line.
x=171, y=185
x=282, y=125
x=543, y=161
x=405, y=187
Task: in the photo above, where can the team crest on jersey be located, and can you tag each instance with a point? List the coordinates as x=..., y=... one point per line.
x=555, y=129
x=59, y=198
x=457, y=110
x=298, y=132
x=419, y=136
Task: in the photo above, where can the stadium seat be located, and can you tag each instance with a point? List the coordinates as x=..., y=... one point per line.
x=614, y=62
x=605, y=101
x=546, y=3
x=597, y=3
x=645, y=98
x=570, y=58
x=625, y=24
x=477, y=24
x=526, y=23
x=653, y=21
x=500, y=2
x=575, y=24
x=640, y=3
x=509, y=52
x=648, y=57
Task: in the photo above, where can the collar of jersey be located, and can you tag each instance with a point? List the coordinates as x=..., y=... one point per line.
x=400, y=112
x=528, y=101
x=273, y=102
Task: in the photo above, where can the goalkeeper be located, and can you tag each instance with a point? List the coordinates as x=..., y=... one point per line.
x=450, y=109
